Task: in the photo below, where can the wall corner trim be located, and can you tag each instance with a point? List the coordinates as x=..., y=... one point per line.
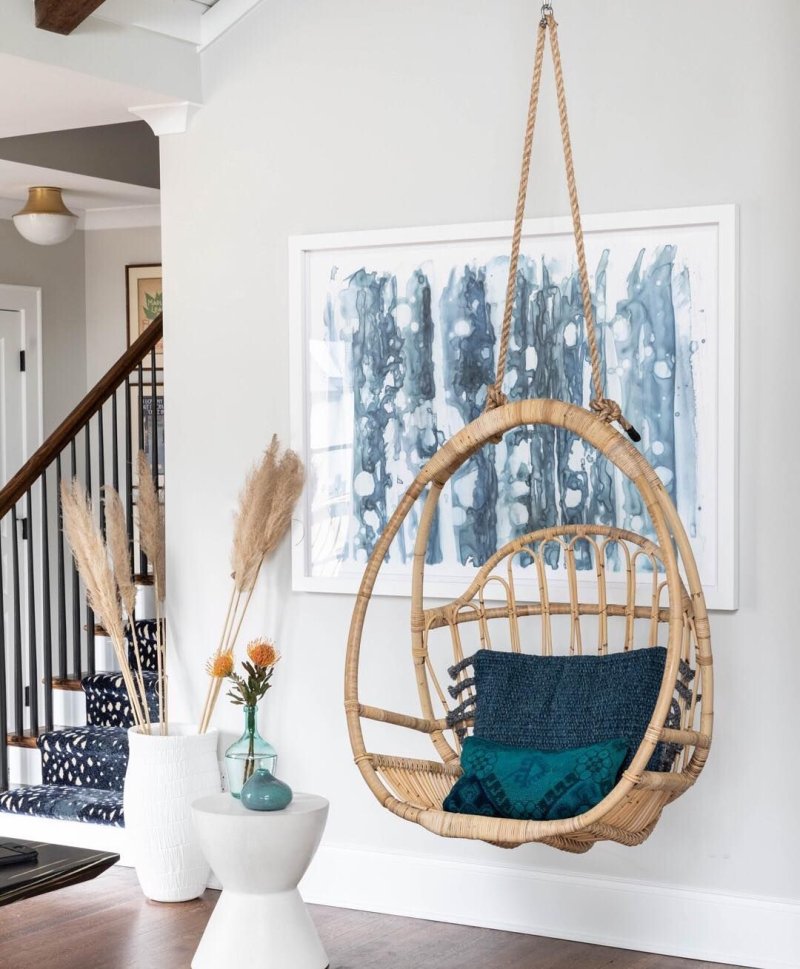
x=760, y=932
x=167, y=119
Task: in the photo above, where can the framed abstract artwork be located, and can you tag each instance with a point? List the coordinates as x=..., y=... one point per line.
x=145, y=297
x=393, y=345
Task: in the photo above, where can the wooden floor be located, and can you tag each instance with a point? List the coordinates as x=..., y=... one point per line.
x=107, y=924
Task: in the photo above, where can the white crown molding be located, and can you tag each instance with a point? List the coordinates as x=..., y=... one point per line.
x=167, y=119
x=221, y=17
x=122, y=217
x=717, y=927
x=112, y=217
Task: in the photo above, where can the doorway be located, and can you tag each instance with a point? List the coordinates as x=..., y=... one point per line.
x=21, y=419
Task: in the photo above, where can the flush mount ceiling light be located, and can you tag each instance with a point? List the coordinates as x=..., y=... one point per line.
x=45, y=220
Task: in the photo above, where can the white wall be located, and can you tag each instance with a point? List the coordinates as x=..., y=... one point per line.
x=108, y=252
x=353, y=115
x=59, y=271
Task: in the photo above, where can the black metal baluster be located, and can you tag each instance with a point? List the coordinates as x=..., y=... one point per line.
x=77, y=661
x=114, y=443
x=142, y=556
x=101, y=470
x=154, y=416
x=19, y=697
x=129, y=467
x=62, y=585
x=33, y=659
x=89, y=612
x=3, y=703
x=47, y=638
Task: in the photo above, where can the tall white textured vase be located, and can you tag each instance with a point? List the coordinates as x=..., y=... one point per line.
x=165, y=774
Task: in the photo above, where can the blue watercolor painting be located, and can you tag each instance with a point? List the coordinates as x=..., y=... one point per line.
x=403, y=340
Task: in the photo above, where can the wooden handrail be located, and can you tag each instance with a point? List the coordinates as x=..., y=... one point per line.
x=27, y=475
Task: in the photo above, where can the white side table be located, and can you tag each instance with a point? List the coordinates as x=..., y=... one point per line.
x=259, y=857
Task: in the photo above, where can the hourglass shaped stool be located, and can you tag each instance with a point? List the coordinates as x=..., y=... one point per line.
x=260, y=857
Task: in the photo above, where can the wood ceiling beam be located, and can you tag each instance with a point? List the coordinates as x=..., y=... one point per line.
x=63, y=16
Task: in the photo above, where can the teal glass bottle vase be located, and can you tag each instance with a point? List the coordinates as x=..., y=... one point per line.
x=248, y=754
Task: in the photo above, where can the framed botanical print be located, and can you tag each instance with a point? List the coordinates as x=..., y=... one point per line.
x=144, y=292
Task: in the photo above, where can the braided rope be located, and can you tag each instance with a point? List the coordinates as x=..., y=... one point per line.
x=608, y=410
x=495, y=396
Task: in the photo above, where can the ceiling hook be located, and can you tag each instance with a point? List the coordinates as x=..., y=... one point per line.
x=547, y=11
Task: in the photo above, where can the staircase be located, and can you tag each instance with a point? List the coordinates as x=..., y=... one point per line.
x=83, y=768
x=62, y=701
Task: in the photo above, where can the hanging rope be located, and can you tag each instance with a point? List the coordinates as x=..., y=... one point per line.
x=606, y=408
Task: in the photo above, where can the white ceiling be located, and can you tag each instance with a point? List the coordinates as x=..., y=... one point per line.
x=198, y=22
x=42, y=97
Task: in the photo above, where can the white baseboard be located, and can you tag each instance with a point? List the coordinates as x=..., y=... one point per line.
x=99, y=837
x=760, y=932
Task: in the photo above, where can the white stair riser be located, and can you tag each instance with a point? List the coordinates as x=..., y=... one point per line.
x=24, y=766
x=69, y=708
x=145, y=602
x=105, y=656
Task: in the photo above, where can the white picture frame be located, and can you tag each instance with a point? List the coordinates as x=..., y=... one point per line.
x=714, y=231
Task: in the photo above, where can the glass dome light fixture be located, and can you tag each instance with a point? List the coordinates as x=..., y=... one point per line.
x=45, y=220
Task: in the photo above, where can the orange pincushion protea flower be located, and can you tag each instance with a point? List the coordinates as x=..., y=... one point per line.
x=220, y=665
x=262, y=653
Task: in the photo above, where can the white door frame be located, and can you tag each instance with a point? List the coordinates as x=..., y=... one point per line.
x=27, y=300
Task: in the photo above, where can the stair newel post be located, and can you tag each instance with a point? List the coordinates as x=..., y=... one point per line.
x=3, y=703
x=19, y=697
x=33, y=659
x=61, y=580
x=90, y=658
x=77, y=658
x=47, y=634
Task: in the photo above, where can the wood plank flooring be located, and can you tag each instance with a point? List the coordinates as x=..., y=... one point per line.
x=107, y=924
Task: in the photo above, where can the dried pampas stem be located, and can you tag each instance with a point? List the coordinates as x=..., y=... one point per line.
x=208, y=706
x=151, y=524
x=117, y=539
x=91, y=558
x=255, y=507
x=266, y=503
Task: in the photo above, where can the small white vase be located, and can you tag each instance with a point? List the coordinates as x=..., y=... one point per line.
x=165, y=774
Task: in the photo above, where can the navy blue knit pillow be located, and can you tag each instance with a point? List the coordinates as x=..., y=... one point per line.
x=559, y=702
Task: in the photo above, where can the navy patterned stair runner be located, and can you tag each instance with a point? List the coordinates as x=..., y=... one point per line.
x=83, y=768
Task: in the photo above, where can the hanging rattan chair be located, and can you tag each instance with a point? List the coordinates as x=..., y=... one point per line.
x=668, y=610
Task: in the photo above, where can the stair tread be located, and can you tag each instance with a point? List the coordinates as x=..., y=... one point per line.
x=72, y=681
x=65, y=803
x=28, y=737
x=113, y=680
x=85, y=757
x=109, y=740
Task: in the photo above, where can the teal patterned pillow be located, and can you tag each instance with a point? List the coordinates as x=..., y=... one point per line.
x=534, y=785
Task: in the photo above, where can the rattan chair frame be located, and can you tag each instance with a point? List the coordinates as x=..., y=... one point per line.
x=414, y=789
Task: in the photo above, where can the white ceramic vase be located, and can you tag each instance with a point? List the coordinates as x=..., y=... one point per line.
x=165, y=774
